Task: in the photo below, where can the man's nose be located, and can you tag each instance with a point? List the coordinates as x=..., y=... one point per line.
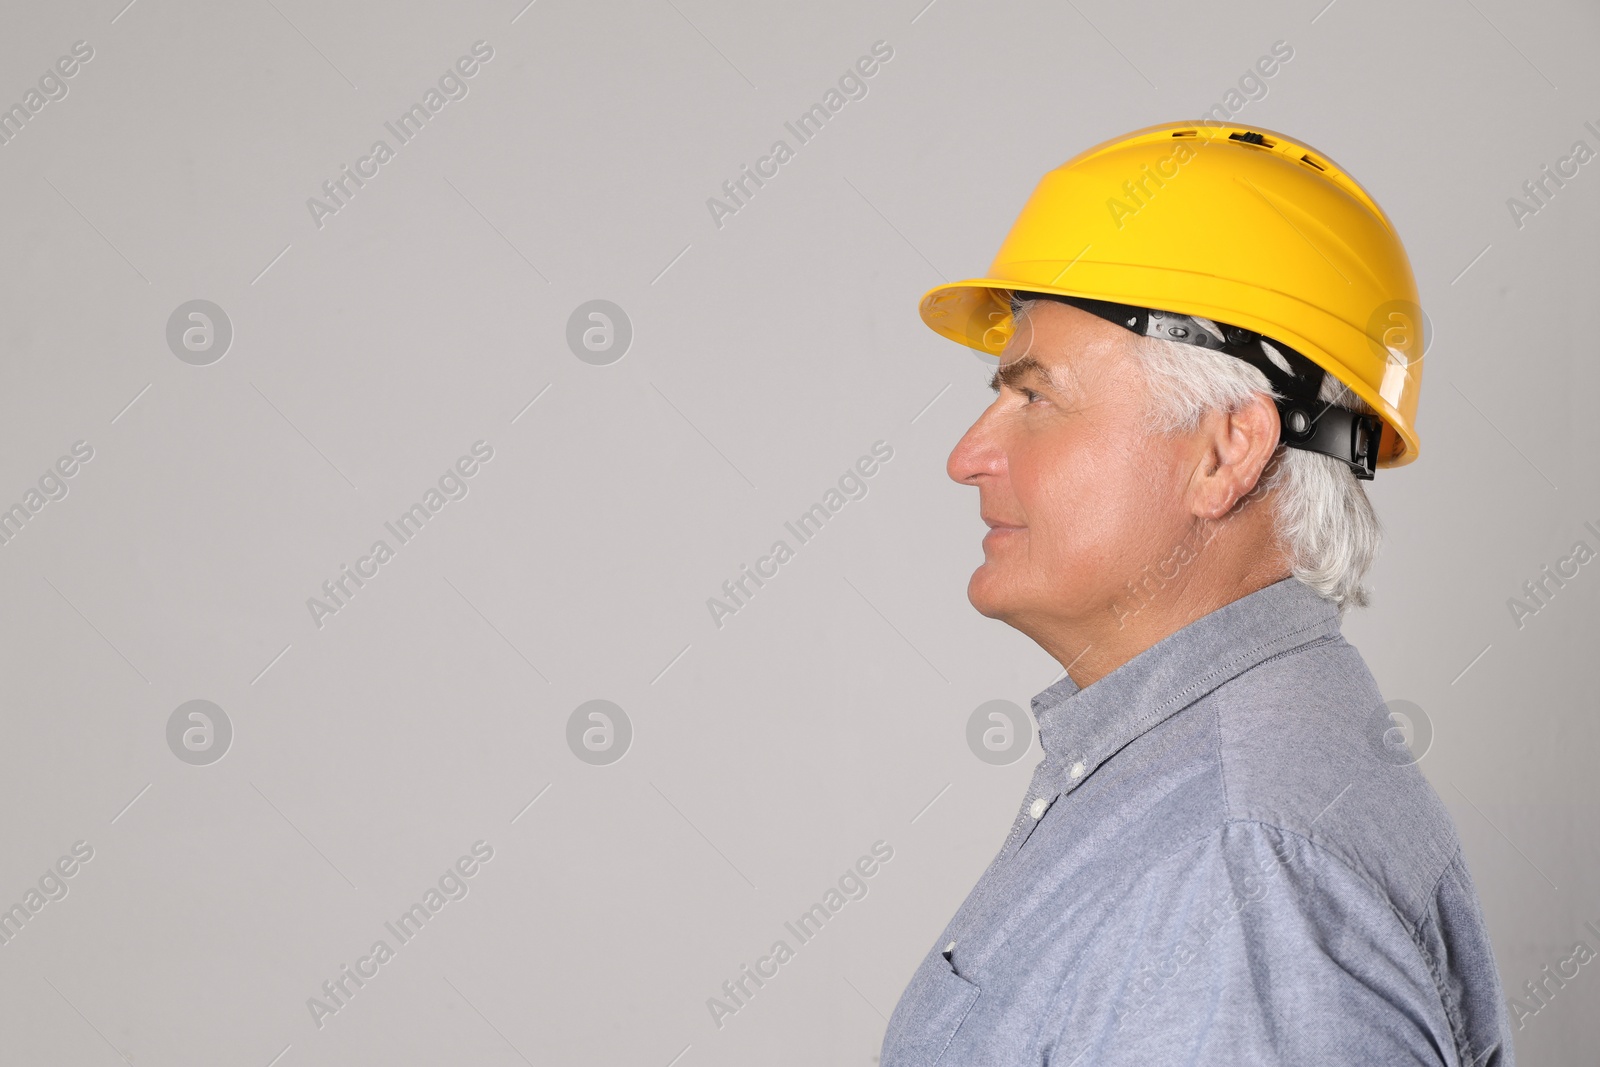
x=976, y=453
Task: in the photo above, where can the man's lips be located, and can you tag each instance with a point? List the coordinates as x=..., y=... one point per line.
x=999, y=531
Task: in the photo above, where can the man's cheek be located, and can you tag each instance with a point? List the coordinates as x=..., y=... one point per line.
x=1080, y=529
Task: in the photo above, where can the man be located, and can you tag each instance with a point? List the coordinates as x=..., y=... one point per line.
x=1206, y=344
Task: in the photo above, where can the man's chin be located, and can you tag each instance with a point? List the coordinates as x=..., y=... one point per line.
x=987, y=595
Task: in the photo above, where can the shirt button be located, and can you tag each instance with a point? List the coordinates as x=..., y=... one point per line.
x=1036, y=809
x=951, y=947
x=1077, y=770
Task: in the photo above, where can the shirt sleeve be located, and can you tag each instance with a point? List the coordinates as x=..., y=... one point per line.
x=1256, y=946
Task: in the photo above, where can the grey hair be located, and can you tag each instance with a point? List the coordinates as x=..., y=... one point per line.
x=1324, y=521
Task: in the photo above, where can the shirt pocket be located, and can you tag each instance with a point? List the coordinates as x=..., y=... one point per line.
x=926, y=1020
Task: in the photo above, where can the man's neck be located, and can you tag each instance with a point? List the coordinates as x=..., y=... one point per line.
x=1101, y=650
x=1091, y=647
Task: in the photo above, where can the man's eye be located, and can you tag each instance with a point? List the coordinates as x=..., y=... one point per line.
x=1031, y=395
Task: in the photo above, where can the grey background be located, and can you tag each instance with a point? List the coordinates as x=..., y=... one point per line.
x=767, y=356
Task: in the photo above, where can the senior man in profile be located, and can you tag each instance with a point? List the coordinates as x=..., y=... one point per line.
x=1219, y=861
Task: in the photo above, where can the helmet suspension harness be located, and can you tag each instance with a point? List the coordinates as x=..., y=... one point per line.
x=1305, y=421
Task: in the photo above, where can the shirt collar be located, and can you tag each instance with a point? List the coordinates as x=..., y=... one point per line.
x=1085, y=727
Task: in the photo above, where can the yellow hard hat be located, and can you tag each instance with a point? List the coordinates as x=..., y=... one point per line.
x=1225, y=224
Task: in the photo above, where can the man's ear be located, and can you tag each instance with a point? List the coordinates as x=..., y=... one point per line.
x=1235, y=447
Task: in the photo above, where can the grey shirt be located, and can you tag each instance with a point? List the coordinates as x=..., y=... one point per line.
x=1219, y=861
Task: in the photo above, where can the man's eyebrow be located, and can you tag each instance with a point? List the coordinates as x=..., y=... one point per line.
x=1011, y=373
